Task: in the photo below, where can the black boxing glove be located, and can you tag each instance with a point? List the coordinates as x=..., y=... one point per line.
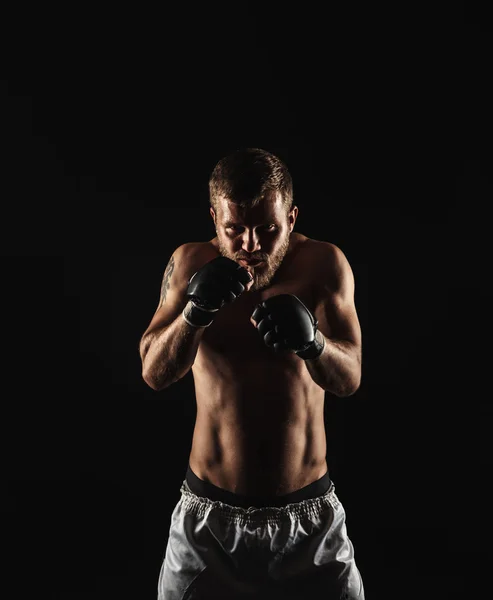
x=285, y=323
x=219, y=281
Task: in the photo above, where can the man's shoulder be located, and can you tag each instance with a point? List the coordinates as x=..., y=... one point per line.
x=193, y=248
x=324, y=261
x=331, y=266
x=195, y=254
x=319, y=251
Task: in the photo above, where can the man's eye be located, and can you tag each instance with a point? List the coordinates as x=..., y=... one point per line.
x=269, y=227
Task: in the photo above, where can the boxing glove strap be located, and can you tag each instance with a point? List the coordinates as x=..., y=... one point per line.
x=314, y=350
x=197, y=316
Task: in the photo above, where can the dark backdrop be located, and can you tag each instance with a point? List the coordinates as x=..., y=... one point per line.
x=111, y=125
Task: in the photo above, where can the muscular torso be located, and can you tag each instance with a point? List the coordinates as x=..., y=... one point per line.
x=259, y=428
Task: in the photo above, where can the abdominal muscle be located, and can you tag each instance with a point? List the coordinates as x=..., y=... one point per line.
x=259, y=438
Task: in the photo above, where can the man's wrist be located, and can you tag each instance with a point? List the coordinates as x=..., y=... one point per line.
x=197, y=316
x=315, y=349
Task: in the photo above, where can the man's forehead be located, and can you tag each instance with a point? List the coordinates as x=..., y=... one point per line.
x=265, y=208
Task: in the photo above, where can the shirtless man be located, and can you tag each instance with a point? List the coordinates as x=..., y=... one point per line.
x=265, y=319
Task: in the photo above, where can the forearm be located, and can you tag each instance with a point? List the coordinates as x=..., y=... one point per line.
x=168, y=354
x=338, y=369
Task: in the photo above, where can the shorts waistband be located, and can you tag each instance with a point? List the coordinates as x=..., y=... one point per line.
x=212, y=494
x=201, y=506
x=208, y=490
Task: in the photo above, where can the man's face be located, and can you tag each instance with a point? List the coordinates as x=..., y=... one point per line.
x=261, y=233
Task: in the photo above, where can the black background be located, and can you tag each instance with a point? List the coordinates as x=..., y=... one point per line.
x=110, y=126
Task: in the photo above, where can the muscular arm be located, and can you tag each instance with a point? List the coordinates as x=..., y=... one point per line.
x=338, y=369
x=169, y=345
x=168, y=353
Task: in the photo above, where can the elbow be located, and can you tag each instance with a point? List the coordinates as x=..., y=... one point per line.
x=161, y=381
x=353, y=381
x=343, y=393
x=156, y=383
x=349, y=388
x=350, y=392
x=153, y=384
x=157, y=377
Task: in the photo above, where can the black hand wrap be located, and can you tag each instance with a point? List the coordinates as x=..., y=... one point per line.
x=218, y=282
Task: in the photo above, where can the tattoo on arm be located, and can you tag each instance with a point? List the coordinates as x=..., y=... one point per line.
x=166, y=279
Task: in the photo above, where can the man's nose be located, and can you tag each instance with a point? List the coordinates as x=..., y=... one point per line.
x=250, y=242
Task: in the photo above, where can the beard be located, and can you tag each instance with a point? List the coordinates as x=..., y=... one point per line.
x=264, y=274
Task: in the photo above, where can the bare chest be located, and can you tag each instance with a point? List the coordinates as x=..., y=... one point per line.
x=233, y=360
x=234, y=337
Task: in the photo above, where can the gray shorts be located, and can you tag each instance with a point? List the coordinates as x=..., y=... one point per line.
x=300, y=551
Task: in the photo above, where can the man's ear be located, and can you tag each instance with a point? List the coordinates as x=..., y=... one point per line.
x=213, y=215
x=293, y=215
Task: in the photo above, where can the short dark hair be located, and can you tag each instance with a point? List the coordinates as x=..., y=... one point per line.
x=245, y=176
